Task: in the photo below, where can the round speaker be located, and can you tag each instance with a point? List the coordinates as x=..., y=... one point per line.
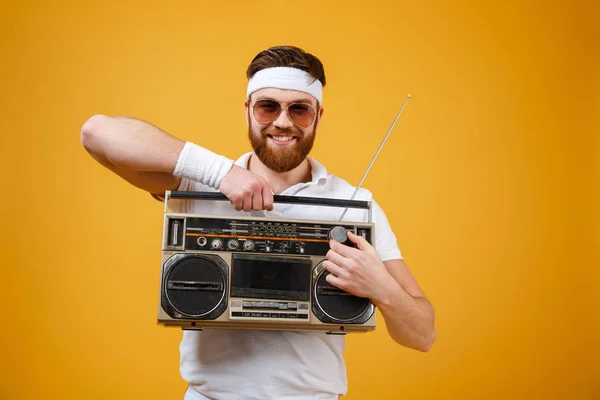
x=196, y=285
x=335, y=305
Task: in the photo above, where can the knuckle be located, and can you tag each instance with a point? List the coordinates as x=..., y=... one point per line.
x=255, y=185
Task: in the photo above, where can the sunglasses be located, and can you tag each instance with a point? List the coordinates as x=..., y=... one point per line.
x=267, y=111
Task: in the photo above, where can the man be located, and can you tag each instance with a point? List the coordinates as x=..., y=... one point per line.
x=283, y=111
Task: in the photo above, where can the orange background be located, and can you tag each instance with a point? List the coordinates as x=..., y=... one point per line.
x=490, y=181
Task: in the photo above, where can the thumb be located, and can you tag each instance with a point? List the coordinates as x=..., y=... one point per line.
x=360, y=242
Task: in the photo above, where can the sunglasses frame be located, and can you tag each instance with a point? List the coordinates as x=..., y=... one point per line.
x=287, y=112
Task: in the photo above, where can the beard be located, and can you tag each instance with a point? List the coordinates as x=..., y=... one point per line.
x=281, y=159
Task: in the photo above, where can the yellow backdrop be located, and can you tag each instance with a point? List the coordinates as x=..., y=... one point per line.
x=489, y=181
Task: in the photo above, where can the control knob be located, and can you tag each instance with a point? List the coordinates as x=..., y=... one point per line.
x=339, y=234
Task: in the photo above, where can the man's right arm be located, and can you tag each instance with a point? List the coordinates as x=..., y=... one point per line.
x=137, y=151
x=147, y=157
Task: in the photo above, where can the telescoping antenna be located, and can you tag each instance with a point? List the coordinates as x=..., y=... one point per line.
x=377, y=154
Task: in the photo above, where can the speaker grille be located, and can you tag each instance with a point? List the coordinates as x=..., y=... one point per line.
x=341, y=306
x=195, y=285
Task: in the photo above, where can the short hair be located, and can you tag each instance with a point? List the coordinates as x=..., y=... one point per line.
x=287, y=56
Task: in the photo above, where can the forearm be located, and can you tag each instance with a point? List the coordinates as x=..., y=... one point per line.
x=130, y=144
x=409, y=320
x=150, y=158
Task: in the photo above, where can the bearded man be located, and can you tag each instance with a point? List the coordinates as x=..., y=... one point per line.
x=283, y=109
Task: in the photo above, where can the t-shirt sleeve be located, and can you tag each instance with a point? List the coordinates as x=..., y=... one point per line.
x=385, y=240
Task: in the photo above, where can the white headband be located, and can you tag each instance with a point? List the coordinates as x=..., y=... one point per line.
x=286, y=78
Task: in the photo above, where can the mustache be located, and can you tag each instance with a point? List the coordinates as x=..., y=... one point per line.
x=278, y=131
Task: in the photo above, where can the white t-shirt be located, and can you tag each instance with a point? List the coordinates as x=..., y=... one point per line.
x=271, y=365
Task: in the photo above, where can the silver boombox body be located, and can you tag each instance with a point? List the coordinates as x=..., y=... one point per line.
x=257, y=273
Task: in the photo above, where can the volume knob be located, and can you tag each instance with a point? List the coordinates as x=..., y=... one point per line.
x=339, y=234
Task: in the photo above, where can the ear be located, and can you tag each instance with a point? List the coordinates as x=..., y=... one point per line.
x=246, y=114
x=319, y=116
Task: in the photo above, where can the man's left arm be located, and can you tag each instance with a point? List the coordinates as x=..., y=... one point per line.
x=390, y=285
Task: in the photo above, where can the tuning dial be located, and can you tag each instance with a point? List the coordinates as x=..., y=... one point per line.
x=339, y=234
x=248, y=245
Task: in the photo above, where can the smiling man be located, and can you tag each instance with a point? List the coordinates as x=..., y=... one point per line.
x=284, y=107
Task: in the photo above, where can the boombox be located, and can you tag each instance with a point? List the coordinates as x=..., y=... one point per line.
x=257, y=273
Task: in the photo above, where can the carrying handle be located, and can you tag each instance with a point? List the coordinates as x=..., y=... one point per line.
x=317, y=201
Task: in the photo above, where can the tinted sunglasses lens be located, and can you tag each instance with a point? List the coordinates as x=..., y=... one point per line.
x=301, y=114
x=266, y=111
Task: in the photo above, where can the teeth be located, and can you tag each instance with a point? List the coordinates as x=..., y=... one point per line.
x=282, y=138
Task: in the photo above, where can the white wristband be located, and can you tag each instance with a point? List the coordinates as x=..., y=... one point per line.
x=202, y=165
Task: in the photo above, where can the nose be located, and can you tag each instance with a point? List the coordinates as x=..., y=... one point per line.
x=283, y=121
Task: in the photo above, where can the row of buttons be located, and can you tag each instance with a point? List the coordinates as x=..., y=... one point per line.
x=274, y=305
x=268, y=315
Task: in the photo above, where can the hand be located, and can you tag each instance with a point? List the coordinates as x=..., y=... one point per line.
x=246, y=190
x=358, y=271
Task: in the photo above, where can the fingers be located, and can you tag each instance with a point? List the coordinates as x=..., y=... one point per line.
x=247, y=191
x=335, y=281
x=262, y=195
x=359, y=241
x=257, y=201
x=267, y=197
x=248, y=202
x=252, y=198
x=337, y=258
x=237, y=202
x=334, y=268
x=344, y=250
